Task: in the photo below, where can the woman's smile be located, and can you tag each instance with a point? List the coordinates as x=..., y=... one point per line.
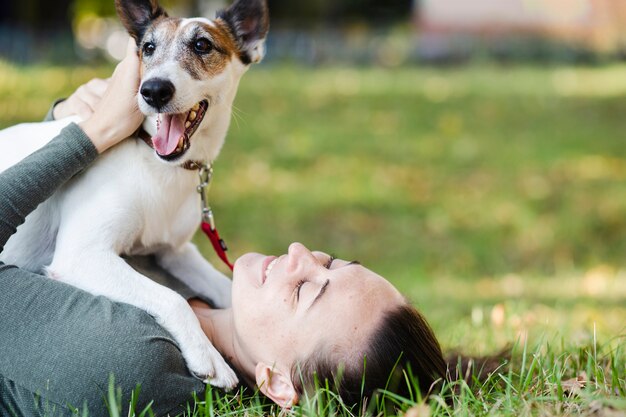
x=266, y=267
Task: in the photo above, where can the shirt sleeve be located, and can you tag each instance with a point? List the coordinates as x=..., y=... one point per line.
x=50, y=116
x=29, y=183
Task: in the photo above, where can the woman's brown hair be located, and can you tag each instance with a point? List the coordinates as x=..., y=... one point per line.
x=403, y=344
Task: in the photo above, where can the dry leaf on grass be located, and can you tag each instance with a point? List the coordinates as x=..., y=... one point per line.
x=419, y=410
x=573, y=386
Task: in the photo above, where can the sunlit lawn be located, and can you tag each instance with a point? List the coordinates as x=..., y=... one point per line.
x=493, y=197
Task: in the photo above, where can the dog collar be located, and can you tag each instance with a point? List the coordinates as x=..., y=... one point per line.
x=188, y=165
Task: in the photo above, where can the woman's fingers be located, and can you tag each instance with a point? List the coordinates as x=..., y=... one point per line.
x=83, y=101
x=98, y=86
x=116, y=116
x=83, y=110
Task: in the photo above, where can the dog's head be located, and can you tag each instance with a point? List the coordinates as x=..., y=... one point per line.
x=190, y=70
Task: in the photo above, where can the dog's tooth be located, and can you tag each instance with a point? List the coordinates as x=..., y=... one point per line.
x=192, y=115
x=181, y=141
x=187, y=124
x=196, y=107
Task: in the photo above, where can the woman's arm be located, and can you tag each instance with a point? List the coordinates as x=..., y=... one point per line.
x=116, y=116
x=27, y=184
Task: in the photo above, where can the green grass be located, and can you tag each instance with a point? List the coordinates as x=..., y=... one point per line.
x=493, y=197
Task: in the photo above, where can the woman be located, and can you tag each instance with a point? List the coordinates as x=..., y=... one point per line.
x=293, y=316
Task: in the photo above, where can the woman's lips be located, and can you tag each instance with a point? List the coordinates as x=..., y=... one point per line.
x=268, y=260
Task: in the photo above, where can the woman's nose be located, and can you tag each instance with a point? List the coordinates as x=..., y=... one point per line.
x=297, y=249
x=299, y=255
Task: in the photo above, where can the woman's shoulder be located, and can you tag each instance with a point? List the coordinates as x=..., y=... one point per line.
x=64, y=344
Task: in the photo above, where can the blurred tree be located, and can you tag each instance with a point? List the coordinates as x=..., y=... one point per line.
x=314, y=12
x=43, y=15
x=38, y=15
x=372, y=11
x=298, y=11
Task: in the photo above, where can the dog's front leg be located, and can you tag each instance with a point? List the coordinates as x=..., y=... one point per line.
x=188, y=265
x=102, y=272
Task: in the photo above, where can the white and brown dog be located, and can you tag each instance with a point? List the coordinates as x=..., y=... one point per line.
x=137, y=199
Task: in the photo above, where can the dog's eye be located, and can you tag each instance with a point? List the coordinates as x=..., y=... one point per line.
x=202, y=46
x=148, y=48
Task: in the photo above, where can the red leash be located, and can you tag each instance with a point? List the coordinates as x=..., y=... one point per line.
x=218, y=243
x=208, y=222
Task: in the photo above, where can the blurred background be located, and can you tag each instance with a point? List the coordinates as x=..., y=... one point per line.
x=389, y=33
x=471, y=152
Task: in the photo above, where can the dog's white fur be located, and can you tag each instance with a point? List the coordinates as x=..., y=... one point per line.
x=130, y=202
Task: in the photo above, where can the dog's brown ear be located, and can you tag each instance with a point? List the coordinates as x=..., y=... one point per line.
x=249, y=22
x=137, y=15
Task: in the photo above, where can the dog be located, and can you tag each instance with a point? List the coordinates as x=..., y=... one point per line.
x=138, y=199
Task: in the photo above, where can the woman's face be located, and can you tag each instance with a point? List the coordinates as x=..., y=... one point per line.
x=285, y=308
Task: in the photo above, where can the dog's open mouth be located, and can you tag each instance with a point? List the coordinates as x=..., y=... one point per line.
x=174, y=131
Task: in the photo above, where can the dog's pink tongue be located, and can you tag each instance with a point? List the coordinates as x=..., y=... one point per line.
x=169, y=130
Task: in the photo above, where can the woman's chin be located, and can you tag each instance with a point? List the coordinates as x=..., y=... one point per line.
x=247, y=278
x=244, y=265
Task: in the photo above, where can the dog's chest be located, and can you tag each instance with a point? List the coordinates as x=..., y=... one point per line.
x=160, y=203
x=171, y=218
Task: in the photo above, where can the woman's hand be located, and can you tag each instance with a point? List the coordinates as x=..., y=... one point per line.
x=116, y=116
x=83, y=101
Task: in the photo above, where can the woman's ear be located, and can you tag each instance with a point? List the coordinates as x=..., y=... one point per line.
x=276, y=385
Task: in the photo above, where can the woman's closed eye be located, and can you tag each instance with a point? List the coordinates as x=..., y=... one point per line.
x=298, y=288
x=301, y=282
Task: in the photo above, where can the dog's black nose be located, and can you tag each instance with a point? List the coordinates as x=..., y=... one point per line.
x=157, y=92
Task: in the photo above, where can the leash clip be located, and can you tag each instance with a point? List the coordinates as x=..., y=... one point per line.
x=207, y=217
x=205, y=172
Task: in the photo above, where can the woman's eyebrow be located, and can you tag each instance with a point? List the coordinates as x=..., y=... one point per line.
x=319, y=294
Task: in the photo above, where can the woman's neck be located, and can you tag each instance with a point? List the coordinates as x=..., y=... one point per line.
x=218, y=326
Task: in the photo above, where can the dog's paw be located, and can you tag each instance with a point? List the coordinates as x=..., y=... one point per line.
x=205, y=362
x=201, y=357
x=224, y=377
